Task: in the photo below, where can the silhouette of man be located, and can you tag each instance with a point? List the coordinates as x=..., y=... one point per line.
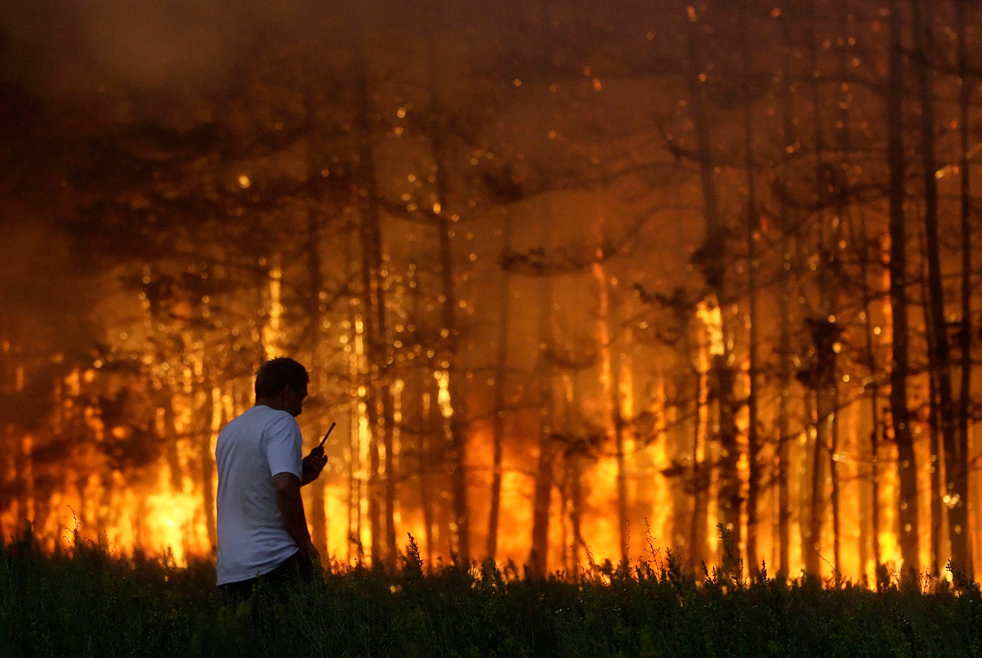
x=262, y=528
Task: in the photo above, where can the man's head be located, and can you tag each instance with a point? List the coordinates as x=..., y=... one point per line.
x=281, y=383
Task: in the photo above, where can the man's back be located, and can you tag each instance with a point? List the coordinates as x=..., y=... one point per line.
x=251, y=449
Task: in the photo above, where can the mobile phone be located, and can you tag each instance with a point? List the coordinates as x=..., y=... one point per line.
x=327, y=435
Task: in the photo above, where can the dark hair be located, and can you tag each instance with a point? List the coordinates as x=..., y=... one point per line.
x=276, y=374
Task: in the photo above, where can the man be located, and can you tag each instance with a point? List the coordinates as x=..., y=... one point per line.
x=262, y=528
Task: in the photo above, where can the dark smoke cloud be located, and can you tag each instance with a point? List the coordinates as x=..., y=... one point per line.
x=68, y=48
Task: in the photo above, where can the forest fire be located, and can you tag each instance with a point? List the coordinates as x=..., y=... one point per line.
x=573, y=288
x=155, y=510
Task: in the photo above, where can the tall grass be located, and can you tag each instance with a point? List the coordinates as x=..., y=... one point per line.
x=85, y=601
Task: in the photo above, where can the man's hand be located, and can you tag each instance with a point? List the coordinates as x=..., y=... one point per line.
x=310, y=553
x=313, y=464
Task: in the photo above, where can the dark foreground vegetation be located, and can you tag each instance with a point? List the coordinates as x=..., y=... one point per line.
x=84, y=601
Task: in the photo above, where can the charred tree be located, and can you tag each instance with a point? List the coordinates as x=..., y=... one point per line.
x=934, y=443
x=378, y=402
x=784, y=298
x=615, y=422
x=545, y=468
x=752, y=226
x=457, y=422
x=690, y=469
x=839, y=188
x=961, y=480
x=500, y=379
x=710, y=259
x=939, y=349
x=314, y=310
x=818, y=378
x=873, y=386
x=899, y=410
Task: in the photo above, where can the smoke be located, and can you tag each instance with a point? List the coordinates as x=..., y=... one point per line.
x=67, y=49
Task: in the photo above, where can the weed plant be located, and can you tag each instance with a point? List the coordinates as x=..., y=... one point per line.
x=84, y=601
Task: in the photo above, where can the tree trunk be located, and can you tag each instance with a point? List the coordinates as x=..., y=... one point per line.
x=165, y=388
x=544, y=478
x=813, y=548
x=352, y=379
x=500, y=378
x=935, y=450
x=539, y=557
x=548, y=449
x=906, y=460
x=170, y=438
x=354, y=488
x=457, y=422
x=315, y=312
x=729, y=489
x=784, y=432
x=576, y=456
x=965, y=331
x=212, y=411
x=573, y=463
x=784, y=297
x=939, y=349
x=710, y=259
x=623, y=520
x=7, y=379
x=873, y=388
x=843, y=143
x=835, y=493
x=388, y=434
x=752, y=223
x=376, y=375
x=422, y=424
x=432, y=429
x=808, y=551
x=614, y=421
x=680, y=434
x=699, y=478
x=829, y=180
x=425, y=484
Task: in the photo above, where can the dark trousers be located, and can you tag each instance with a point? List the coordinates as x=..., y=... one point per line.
x=282, y=580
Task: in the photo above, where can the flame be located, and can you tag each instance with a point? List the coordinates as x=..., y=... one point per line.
x=273, y=335
x=443, y=397
x=711, y=316
x=161, y=507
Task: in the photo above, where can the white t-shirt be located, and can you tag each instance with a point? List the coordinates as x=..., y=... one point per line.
x=251, y=449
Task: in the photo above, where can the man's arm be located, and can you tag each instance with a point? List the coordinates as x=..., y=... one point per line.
x=313, y=464
x=290, y=504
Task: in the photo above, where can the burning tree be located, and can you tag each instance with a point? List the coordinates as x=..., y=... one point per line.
x=606, y=268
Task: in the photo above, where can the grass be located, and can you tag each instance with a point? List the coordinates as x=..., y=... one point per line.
x=85, y=601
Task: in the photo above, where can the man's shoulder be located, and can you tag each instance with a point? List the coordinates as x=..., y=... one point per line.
x=264, y=413
x=274, y=421
x=261, y=416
